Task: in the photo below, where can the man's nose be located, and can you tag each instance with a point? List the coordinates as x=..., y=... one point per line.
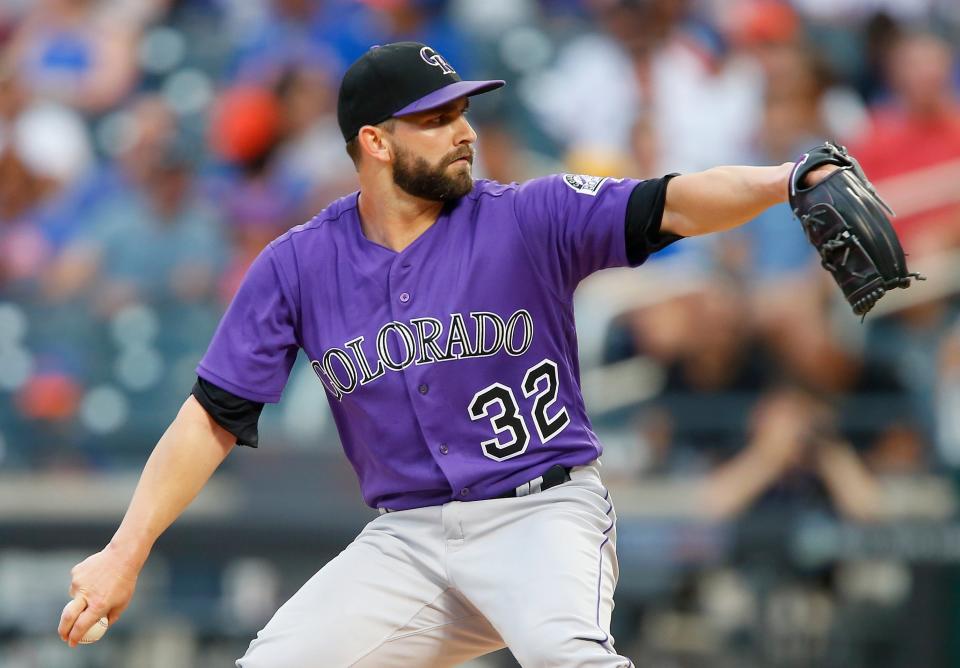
x=465, y=132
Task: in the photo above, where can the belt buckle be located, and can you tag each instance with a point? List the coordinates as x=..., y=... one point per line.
x=530, y=487
x=555, y=475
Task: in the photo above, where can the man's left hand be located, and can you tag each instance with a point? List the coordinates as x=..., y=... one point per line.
x=819, y=174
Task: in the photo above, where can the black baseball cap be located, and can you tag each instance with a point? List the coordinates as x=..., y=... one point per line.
x=396, y=80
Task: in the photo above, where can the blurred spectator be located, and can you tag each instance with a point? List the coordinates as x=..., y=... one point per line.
x=759, y=23
x=43, y=149
x=260, y=200
x=716, y=357
x=499, y=156
x=311, y=152
x=11, y=13
x=701, y=337
x=792, y=438
x=774, y=256
x=912, y=154
x=334, y=33
x=718, y=353
x=792, y=121
x=23, y=250
x=413, y=20
x=137, y=13
x=76, y=51
x=144, y=128
x=657, y=59
x=156, y=242
x=912, y=150
x=150, y=126
x=795, y=83
x=245, y=124
x=276, y=34
x=493, y=18
x=858, y=9
x=794, y=461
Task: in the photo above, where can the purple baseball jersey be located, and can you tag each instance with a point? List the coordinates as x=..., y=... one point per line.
x=451, y=367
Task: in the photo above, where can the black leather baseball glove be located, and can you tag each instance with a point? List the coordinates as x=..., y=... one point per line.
x=846, y=221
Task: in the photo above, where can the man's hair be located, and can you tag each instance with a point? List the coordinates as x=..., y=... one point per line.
x=353, y=146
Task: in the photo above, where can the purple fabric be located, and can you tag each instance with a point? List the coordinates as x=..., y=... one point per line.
x=370, y=321
x=441, y=96
x=255, y=345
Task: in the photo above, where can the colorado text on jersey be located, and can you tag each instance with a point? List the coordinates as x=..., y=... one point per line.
x=398, y=345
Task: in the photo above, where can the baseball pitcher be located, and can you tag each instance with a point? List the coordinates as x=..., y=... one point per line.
x=436, y=310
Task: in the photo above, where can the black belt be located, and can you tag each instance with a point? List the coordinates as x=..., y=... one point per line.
x=555, y=475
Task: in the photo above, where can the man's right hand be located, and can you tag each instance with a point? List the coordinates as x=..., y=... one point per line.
x=185, y=457
x=101, y=586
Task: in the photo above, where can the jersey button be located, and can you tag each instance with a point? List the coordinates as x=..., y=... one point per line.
x=404, y=297
x=444, y=449
x=464, y=491
x=423, y=388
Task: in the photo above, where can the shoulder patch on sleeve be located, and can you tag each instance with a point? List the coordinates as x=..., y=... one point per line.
x=583, y=184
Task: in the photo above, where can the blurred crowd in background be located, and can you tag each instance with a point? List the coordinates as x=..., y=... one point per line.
x=150, y=148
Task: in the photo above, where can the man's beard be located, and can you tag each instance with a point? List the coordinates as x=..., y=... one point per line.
x=417, y=177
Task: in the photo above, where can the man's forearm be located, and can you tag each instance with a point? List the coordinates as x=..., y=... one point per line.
x=852, y=487
x=185, y=457
x=736, y=484
x=722, y=197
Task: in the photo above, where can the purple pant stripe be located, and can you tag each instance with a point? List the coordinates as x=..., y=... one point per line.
x=606, y=637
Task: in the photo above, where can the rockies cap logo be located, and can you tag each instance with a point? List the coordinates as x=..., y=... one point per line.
x=431, y=57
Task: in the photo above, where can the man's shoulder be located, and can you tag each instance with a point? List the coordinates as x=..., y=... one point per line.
x=577, y=182
x=318, y=227
x=488, y=193
x=488, y=188
x=517, y=197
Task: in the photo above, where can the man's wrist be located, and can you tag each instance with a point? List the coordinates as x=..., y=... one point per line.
x=780, y=188
x=133, y=551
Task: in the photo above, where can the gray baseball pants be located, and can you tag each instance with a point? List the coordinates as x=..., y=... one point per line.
x=438, y=586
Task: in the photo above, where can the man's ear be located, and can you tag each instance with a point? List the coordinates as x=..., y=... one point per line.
x=374, y=143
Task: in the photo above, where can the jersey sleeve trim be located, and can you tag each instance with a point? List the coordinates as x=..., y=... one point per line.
x=242, y=392
x=643, y=219
x=237, y=415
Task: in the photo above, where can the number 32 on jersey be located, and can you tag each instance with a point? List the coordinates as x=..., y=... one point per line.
x=539, y=380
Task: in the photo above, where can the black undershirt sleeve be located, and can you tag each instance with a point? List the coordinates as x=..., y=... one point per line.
x=644, y=215
x=237, y=415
